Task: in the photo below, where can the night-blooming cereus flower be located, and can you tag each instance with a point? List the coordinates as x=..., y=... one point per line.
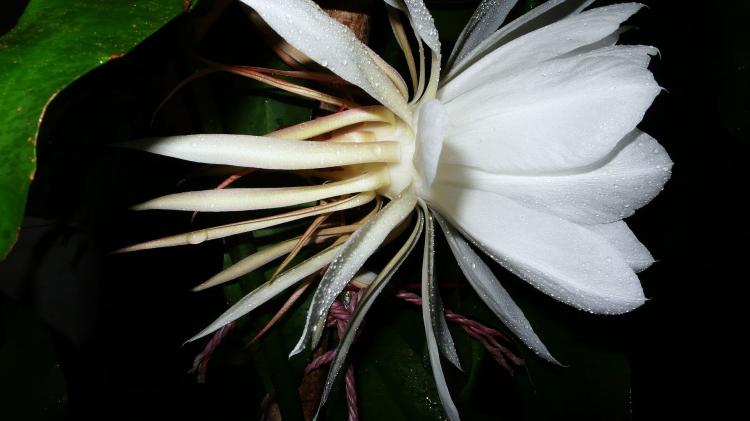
x=527, y=146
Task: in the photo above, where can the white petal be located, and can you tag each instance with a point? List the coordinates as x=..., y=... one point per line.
x=424, y=28
x=374, y=288
x=434, y=327
x=268, y=290
x=546, y=43
x=631, y=176
x=353, y=254
x=561, y=115
x=241, y=199
x=304, y=25
x=267, y=152
x=432, y=124
x=485, y=20
x=423, y=23
x=622, y=238
x=251, y=263
x=493, y=294
x=222, y=231
x=538, y=17
x=562, y=259
x=433, y=302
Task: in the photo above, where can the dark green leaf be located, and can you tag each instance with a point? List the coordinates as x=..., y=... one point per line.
x=55, y=43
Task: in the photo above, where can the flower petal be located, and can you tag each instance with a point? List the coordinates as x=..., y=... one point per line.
x=241, y=199
x=485, y=20
x=249, y=264
x=622, y=238
x=267, y=152
x=432, y=325
x=490, y=290
x=350, y=259
x=423, y=23
x=222, y=231
x=562, y=259
x=538, y=17
x=374, y=289
x=543, y=44
x=305, y=26
x=432, y=125
x=631, y=176
x=424, y=28
x=433, y=302
x=268, y=290
x=561, y=115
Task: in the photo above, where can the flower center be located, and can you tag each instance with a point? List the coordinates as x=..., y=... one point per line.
x=420, y=154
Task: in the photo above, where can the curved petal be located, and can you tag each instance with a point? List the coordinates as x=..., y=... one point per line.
x=435, y=326
x=423, y=23
x=538, y=17
x=353, y=254
x=561, y=115
x=432, y=303
x=622, y=238
x=373, y=290
x=485, y=20
x=432, y=126
x=268, y=290
x=562, y=259
x=630, y=177
x=493, y=294
x=424, y=28
x=543, y=44
x=304, y=25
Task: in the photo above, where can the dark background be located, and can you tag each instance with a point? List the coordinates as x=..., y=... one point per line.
x=84, y=334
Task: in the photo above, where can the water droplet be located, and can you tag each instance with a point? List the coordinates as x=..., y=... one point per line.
x=197, y=237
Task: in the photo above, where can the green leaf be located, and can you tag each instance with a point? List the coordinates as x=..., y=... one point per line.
x=392, y=368
x=55, y=43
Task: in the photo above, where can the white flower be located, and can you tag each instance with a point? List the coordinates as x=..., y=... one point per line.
x=528, y=147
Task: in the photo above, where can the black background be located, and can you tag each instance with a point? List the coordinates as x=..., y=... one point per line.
x=686, y=350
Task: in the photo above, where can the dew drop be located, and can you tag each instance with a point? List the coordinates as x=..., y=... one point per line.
x=197, y=237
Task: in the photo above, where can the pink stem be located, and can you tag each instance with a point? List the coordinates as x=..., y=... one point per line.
x=200, y=363
x=351, y=394
x=284, y=308
x=486, y=336
x=320, y=361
